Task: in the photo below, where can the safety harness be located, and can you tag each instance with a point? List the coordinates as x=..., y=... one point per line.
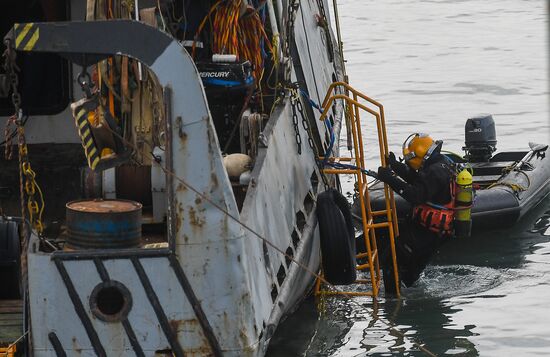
x=438, y=218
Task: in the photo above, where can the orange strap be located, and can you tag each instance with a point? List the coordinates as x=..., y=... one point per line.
x=436, y=220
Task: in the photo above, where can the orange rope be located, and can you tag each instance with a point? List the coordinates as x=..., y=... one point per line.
x=235, y=35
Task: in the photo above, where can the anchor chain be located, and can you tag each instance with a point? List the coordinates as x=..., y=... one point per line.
x=297, y=106
x=305, y=125
x=32, y=190
x=292, y=9
x=10, y=68
x=9, y=134
x=322, y=21
x=27, y=176
x=321, y=7
x=293, y=103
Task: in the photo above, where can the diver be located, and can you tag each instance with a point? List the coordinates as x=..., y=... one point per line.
x=425, y=180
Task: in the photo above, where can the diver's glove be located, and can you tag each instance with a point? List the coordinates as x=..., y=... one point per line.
x=385, y=174
x=400, y=168
x=392, y=160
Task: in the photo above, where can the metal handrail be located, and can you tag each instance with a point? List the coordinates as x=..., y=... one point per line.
x=354, y=106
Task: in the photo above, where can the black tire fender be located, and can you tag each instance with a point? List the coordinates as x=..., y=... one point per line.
x=337, y=238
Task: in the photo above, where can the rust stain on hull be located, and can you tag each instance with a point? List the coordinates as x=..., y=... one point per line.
x=195, y=219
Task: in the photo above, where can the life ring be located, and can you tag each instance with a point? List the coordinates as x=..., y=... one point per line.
x=337, y=238
x=10, y=269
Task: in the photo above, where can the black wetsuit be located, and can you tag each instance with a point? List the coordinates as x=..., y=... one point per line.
x=416, y=245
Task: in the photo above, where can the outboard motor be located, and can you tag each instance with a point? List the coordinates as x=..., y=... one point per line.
x=227, y=84
x=481, y=138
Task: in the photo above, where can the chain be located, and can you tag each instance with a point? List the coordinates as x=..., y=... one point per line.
x=294, y=100
x=292, y=9
x=297, y=106
x=31, y=187
x=28, y=185
x=305, y=125
x=11, y=67
x=321, y=7
x=322, y=21
x=9, y=134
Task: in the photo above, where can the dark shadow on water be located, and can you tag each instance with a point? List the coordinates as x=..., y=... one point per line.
x=468, y=268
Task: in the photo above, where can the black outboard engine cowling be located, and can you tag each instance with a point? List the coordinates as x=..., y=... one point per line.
x=227, y=85
x=481, y=138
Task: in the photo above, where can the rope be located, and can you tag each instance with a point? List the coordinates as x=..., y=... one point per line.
x=514, y=186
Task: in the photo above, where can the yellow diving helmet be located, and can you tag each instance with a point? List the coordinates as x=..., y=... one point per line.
x=418, y=148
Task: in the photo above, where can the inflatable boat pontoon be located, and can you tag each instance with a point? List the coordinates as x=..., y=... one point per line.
x=506, y=185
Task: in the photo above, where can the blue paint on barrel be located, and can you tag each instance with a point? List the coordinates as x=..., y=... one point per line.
x=103, y=224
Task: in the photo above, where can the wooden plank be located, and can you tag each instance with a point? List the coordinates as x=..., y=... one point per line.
x=11, y=310
x=9, y=334
x=11, y=321
x=11, y=303
x=11, y=306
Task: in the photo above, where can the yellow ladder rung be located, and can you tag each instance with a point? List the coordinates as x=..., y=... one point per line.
x=379, y=225
x=365, y=266
x=357, y=102
x=367, y=281
x=8, y=351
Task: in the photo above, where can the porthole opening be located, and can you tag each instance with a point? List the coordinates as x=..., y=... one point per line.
x=110, y=301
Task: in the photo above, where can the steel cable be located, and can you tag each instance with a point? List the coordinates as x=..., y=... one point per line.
x=268, y=242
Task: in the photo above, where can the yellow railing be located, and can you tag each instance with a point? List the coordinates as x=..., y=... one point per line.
x=8, y=351
x=353, y=100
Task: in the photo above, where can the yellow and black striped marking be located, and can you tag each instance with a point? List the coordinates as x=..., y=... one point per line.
x=26, y=36
x=85, y=133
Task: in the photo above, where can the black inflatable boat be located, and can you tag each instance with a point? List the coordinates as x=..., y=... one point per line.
x=507, y=185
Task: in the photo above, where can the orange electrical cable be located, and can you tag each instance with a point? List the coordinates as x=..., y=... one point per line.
x=240, y=36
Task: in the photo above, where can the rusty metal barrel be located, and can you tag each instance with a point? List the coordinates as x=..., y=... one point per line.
x=103, y=224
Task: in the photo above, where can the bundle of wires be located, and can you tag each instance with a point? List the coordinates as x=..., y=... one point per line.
x=242, y=36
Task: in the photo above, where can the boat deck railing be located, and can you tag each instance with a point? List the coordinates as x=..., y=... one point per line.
x=372, y=221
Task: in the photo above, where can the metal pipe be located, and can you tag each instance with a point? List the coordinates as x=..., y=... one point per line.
x=339, y=35
x=272, y=17
x=280, y=10
x=274, y=26
x=136, y=11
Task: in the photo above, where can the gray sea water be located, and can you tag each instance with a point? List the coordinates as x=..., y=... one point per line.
x=433, y=64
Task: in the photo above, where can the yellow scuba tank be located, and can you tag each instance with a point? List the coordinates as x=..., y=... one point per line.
x=463, y=203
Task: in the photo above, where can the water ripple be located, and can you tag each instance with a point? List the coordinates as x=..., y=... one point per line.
x=542, y=225
x=486, y=88
x=458, y=280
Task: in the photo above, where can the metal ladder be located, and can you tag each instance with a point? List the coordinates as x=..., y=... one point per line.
x=355, y=103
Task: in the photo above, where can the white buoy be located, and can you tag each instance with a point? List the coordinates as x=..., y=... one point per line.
x=236, y=164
